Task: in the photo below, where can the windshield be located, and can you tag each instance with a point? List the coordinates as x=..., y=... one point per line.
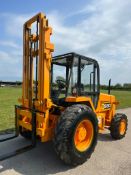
x=60, y=77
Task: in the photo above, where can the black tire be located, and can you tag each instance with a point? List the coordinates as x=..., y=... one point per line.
x=64, y=134
x=25, y=134
x=115, y=126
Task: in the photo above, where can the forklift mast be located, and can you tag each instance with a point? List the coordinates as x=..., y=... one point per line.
x=37, y=59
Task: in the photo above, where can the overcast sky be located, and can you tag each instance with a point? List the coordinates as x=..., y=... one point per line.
x=96, y=28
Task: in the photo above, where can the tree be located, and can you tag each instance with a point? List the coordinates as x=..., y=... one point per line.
x=60, y=78
x=118, y=86
x=127, y=85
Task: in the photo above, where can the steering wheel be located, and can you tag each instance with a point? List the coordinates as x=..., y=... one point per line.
x=61, y=83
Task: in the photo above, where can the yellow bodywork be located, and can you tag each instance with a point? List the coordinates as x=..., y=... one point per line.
x=45, y=121
x=105, y=109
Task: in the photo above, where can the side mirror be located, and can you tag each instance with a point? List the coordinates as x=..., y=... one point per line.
x=109, y=86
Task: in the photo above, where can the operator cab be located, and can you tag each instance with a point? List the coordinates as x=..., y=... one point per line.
x=74, y=75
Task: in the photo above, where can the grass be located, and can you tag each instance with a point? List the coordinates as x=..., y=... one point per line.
x=9, y=97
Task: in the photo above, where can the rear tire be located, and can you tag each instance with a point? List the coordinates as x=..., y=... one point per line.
x=64, y=139
x=119, y=126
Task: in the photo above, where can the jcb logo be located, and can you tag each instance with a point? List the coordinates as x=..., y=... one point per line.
x=106, y=105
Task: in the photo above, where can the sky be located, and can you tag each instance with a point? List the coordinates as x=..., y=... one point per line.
x=100, y=29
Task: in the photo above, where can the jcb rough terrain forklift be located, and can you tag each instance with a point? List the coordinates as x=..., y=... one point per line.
x=61, y=99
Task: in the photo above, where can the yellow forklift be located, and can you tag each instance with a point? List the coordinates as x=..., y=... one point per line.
x=61, y=99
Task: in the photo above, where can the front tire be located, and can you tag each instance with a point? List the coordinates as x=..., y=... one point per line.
x=76, y=134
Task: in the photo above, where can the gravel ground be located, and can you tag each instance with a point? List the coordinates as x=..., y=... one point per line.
x=110, y=158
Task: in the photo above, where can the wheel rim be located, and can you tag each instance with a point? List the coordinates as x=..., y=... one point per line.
x=122, y=127
x=83, y=135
